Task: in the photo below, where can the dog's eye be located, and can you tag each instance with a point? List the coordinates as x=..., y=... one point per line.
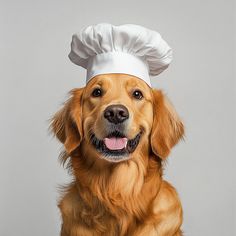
x=97, y=92
x=137, y=94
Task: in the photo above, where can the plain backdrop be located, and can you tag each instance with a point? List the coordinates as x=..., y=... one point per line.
x=36, y=74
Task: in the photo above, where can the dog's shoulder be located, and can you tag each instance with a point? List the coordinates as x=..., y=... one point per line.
x=166, y=198
x=69, y=202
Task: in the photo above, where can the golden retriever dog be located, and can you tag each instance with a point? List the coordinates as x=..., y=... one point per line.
x=117, y=131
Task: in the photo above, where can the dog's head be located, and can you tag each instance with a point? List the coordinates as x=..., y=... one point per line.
x=116, y=116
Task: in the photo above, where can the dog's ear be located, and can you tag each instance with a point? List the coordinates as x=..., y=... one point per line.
x=67, y=124
x=167, y=127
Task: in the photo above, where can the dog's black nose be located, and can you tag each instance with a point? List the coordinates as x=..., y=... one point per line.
x=116, y=113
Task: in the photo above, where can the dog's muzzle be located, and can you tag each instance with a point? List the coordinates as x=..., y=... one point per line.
x=115, y=146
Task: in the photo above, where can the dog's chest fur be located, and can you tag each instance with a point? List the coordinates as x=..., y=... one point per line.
x=108, y=203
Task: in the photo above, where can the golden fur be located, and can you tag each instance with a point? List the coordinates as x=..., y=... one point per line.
x=126, y=198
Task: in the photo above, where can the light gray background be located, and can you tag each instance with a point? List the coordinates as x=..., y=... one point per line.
x=35, y=75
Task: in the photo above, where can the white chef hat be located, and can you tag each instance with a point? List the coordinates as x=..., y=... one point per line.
x=128, y=49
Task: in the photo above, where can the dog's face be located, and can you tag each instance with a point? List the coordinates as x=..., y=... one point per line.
x=116, y=116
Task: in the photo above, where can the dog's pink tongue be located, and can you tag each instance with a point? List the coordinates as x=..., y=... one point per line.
x=115, y=143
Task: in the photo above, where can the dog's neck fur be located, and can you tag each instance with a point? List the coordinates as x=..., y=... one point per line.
x=118, y=189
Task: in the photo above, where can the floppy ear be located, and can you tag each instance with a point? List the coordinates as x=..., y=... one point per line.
x=167, y=127
x=67, y=124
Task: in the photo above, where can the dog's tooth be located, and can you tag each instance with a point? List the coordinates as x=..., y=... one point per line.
x=126, y=143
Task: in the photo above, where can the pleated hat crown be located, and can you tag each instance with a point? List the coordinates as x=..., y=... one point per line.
x=128, y=49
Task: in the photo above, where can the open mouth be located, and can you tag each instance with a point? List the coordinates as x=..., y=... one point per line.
x=116, y=146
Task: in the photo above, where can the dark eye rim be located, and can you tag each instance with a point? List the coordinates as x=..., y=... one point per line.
x=94, y=94
x=139, y=94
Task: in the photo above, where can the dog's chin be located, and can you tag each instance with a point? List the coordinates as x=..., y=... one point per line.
x=115, y=147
